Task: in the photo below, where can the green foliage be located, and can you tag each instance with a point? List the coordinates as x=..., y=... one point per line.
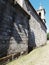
x=47, y=36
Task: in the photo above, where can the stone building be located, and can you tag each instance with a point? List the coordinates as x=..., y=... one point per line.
x=37, y=24
x=14, y=27
x=22, y=28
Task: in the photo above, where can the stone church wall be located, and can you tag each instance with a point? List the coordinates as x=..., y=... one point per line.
x=17, y=32
x=14, y=27
x=37, y=27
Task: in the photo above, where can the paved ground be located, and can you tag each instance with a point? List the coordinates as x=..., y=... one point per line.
x=39, y=56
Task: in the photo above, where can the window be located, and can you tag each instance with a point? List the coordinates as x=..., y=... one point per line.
x=40, y=14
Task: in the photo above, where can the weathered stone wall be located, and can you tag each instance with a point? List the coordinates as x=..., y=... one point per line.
x=37, y=27
x=13, y=29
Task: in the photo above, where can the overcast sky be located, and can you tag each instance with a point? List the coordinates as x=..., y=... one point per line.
x=45, y=4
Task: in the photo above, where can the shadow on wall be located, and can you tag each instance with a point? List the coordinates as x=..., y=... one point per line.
x=20, y=26
x=15, y=34
x=7, y=29
x=31, y=43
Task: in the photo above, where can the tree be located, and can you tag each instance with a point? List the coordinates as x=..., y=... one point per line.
x=47, y=36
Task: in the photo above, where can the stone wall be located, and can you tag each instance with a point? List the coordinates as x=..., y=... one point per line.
x=14, y=27
x=17, y=32
x=37, y=27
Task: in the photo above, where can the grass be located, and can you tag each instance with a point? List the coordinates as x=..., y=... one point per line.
x=39, y=56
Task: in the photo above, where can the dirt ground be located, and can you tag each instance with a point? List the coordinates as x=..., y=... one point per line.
x=39, y=56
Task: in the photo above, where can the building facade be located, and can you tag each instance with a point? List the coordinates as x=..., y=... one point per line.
x=37, y=24
x=14, y=28
x=22, y=28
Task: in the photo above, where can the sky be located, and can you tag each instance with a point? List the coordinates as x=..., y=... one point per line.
x=45, y=4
